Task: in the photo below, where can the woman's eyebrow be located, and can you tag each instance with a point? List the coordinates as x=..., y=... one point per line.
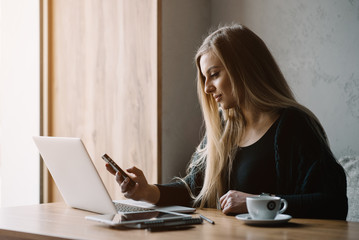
x=211, y=68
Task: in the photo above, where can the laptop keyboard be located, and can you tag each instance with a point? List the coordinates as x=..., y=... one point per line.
x=120, y=207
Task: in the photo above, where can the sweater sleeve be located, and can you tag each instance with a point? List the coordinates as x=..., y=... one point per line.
x=182, y=191
x=309, y=177
x=174, y=194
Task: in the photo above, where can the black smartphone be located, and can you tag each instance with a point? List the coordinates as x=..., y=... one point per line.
x=117, y=169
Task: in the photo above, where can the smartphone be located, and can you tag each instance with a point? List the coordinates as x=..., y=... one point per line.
x=118, y=169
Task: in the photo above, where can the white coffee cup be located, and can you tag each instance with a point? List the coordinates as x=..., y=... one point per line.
x=265, y=207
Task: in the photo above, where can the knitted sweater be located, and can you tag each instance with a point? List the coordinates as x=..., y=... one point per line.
x=307, y=174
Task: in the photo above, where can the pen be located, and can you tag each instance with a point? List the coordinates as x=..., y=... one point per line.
x=169, y=228
x=207, y=219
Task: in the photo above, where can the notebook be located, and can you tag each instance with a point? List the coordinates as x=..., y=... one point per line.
x=152, y=220
x=79, y=182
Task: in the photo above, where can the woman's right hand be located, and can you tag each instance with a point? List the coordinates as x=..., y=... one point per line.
x=142, y=191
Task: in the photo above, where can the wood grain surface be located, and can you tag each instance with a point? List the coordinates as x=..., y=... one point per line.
x=57, y=221
x=104, y=83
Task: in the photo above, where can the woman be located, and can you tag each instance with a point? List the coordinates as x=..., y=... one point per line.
x=258, y=138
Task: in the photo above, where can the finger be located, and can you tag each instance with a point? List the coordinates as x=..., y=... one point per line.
x=223, y=200
x=226, y=210
x=125, y=187
x=131, y=191
x=119, y=178
x=228, y=205
x=137, y=175
x=225, y=204
x=136, y=171
x=110, y=169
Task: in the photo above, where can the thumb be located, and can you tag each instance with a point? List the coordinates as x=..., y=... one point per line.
x=136, y=171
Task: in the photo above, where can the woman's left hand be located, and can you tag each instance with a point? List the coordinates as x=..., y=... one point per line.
x=234, y=202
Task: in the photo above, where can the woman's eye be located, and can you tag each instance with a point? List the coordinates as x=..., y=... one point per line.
x=215, y=74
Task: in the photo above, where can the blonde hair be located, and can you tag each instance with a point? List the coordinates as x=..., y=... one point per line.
x=257, y=82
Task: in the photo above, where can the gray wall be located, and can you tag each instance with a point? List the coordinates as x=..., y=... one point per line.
x=184, y=22
x=315, y=42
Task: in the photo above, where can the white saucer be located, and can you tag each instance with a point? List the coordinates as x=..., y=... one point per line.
x=279, y=219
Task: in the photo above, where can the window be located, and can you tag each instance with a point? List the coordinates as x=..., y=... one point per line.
x=19, y=102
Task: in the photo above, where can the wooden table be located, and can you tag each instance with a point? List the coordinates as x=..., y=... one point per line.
x=57, y=221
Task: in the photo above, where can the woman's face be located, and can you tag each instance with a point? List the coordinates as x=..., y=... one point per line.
x=217, y=81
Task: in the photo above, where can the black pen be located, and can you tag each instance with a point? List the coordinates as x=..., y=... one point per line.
x=207, y=219
x=169, y=228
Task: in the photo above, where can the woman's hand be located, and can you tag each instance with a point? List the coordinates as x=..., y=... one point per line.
x=142, y=191
x=234, y=202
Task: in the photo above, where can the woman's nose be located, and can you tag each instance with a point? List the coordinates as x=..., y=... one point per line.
x=208, y=87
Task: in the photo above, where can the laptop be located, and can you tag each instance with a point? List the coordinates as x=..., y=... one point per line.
x=79, y=182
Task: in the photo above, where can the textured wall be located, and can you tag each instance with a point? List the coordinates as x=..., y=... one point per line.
x=316, y=44
x=184, y=22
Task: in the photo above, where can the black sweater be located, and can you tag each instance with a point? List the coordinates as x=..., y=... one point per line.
x=307, y=174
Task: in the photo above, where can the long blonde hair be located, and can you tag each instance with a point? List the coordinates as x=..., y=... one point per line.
x=256, y=81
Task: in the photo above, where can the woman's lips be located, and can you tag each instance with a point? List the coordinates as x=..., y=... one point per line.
x=218, y=97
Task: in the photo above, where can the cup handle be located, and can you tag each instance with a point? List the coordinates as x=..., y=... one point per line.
x=284, y=206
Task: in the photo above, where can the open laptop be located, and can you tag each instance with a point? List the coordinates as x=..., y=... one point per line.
x=79, y=182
